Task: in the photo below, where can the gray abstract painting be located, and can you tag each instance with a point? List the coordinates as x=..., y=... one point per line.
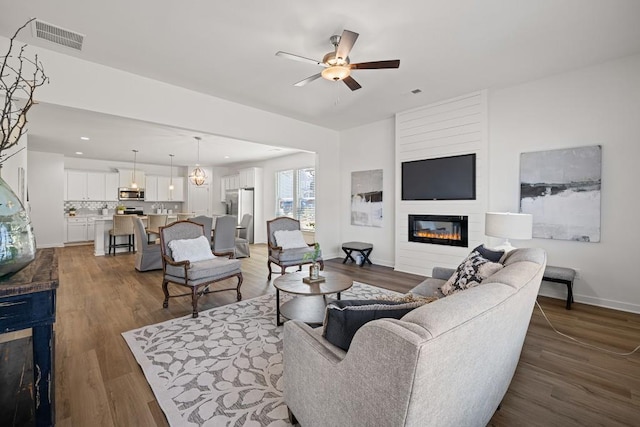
x=561, y=189
x=366, y=198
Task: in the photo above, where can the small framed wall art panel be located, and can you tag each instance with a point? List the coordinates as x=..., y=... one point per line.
x=561, y=189
x=366, y=198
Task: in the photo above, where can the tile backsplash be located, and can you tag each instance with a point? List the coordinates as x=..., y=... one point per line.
x=90, y=207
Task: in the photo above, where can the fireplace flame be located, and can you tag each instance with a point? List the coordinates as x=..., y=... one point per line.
x=436, y=234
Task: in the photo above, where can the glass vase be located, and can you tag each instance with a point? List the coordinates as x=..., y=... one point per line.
x=314, y=271
x=17, y=242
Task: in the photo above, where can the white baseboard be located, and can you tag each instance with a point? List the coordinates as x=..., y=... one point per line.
x=49, y=245
x=598, y=302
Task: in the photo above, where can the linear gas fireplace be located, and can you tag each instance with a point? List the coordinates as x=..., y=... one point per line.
x=439, y=229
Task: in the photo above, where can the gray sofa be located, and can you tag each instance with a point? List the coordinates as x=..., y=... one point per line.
x=448, y=363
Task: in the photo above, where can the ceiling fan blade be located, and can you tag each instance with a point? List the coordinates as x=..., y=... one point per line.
x=353, y=85
x=308, y=80
x=299, y=58
x=347, y=39
x=395, y=63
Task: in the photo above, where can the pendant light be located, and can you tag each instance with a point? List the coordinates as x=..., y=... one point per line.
x=134, y=184
x=171, y=174
x=198, y=175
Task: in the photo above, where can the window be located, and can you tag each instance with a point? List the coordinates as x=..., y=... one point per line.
x=296, y=196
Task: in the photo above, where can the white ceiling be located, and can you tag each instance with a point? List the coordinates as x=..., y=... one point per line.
x=227, y=49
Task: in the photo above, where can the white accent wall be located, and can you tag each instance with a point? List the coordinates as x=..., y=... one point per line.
x=448, y=128
x=598, y=105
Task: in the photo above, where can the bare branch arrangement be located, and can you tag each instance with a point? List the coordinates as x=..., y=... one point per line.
x=19, y=78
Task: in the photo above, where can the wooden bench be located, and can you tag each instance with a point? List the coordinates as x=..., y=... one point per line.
x=364, y=248
x=561, y=275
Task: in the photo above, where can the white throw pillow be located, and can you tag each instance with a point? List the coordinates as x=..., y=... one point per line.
x=290, y=239
x=192, y=250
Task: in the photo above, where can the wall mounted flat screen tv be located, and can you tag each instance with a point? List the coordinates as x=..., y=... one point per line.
x=442, y=178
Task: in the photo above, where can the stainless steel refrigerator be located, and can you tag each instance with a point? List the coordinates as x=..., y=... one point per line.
x=240, y=202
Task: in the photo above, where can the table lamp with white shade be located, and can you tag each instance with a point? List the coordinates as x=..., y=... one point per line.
x=508, y=226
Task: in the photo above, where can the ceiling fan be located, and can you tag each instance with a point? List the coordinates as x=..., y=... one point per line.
x=337, y=65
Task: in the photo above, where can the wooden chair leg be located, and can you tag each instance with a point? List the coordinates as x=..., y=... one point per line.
x=165, y=304
x=194, y=301
x=321, y=262
x=240, y=279
x=269, y=267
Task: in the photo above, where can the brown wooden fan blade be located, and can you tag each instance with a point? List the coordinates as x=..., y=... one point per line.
x=353, y=85
x=299, y=58
x=308, y=80
x=347, y=39
x=375, y=65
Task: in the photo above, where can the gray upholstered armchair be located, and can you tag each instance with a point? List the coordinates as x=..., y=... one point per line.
x=200, y=269
x=290, y=256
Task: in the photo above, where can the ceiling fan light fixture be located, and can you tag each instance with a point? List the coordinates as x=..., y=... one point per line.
x=335, y=73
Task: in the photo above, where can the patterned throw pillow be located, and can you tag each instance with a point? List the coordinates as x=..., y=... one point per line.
x=490, y=254
x=471, y=272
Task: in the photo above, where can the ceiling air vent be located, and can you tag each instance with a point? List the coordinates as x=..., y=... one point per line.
x=45, y=31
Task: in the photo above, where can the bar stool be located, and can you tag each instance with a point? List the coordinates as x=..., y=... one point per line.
x=155, y=221
x=185, y=216
x=122, y=226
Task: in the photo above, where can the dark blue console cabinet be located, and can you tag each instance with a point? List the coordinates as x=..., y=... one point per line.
x=28, y=300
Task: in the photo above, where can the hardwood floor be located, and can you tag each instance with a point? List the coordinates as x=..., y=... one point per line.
x=100, y=384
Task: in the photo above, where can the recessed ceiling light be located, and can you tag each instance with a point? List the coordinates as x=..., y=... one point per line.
x=85, y=138
x=226, y=157
x=80, y=153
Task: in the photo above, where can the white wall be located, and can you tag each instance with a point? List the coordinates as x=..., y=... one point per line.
x=81, y=84
x=46, y=193
x=16, y=160
x=366, y=148
x=598, y=105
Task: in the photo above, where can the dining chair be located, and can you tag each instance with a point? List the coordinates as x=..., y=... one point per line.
x=207, y=223
x=224, y=236
x=243, y=239
x=148, y=255
x=122, y=226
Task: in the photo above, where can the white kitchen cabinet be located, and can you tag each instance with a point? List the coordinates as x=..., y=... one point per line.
x=177, y=195
x=223, y=189
x=76, y=182
x=95, y=186
x=80, y=229
x=151, y=189
x=76, y=229
x=91, y=229
x=163, y=188
x=87, y=186
x=231, y=182
x=157, y=189
x=126, y=175
x=111, y=182
x=247, y=178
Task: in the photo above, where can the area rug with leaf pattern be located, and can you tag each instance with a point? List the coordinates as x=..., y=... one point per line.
x=223, y=368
